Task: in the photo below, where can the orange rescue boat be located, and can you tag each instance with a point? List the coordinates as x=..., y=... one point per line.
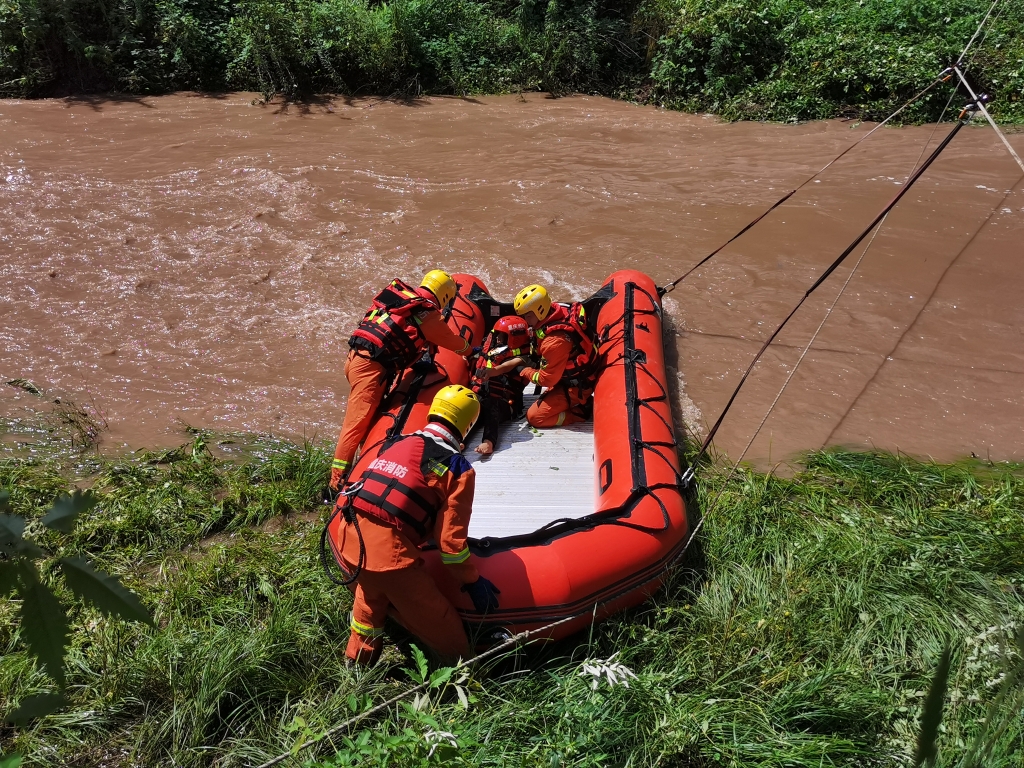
x=573, y=523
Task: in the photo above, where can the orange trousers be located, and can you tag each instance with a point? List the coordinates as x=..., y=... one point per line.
x=557, y=407
x=425, y=612
x=366, y=380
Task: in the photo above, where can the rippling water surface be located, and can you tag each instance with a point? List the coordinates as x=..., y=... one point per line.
x=203, y=260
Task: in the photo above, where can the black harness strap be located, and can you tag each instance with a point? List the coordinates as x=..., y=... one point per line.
x=392, y=482
x=396, y=512
x=429, y=510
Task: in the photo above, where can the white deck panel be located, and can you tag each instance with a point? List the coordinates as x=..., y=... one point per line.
x=532, y=478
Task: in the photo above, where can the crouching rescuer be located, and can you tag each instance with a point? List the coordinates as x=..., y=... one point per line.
x=401, y=323
x=419, y=488
x=568, y=359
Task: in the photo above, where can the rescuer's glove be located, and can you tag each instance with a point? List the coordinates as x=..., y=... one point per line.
x=339, y=474
x=483, y=594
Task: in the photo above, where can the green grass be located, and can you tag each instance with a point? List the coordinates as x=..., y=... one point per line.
x=806, y=637
x=743, y=59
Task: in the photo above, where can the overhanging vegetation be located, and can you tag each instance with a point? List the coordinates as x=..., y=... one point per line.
x=756, y=59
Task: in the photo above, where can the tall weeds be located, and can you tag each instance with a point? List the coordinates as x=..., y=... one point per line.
x=808, y=635
x=760, y=59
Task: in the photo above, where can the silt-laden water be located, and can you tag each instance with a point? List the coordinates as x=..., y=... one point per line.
x=204, y=259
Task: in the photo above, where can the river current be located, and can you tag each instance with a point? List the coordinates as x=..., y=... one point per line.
x=202, y=260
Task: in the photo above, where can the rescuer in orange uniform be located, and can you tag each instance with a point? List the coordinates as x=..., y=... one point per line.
x=419, y=488
x=396, y=329
x=568, y=358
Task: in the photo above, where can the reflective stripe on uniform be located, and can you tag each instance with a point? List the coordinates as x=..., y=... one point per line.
x=535, y=378
x=339, y=464
x=365, y=629
x=561, y=419
x=458, y=557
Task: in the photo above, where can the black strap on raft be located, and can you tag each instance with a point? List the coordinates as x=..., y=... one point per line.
x=821, y=279
x=634, y=362
x=325, y=540
x=422, y=368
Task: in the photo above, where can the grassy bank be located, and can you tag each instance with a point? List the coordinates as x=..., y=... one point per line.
x=808, y=638
x=758, y=59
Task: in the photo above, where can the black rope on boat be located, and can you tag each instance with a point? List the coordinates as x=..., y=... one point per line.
x=635, y=360
x=942, y=77
x=631, y=357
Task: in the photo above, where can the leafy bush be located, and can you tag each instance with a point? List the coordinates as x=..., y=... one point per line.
x=763, y=59
x=800, y=59
x=43, y=625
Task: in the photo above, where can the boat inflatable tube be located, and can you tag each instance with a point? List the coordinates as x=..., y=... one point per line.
x=587, y=568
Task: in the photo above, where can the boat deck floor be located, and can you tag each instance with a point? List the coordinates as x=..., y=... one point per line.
x=533, y=477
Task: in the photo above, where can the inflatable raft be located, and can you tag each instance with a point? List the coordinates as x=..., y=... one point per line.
x=575, y=522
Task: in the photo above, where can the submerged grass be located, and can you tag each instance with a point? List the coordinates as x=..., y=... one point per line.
x=807, y=636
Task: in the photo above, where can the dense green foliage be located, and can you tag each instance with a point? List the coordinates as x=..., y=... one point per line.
x=763, y=59
x=808, y=638
x=41, y=618
x=780, y=59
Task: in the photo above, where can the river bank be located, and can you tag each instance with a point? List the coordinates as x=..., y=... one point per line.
x=804, y=634
x=749, y=59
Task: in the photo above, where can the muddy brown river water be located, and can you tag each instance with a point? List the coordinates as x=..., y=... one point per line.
x=203, y=260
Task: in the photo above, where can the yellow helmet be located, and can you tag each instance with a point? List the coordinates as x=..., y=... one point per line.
x=439, y=283
x=533, y=298
x=458, y=405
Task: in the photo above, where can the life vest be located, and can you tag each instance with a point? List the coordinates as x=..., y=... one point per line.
x=495, y=386
x=502, y=388
x=390, y=331
x=571, y=319
x=394, y=487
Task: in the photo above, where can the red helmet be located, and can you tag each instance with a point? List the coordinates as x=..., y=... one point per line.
x=517, y=332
